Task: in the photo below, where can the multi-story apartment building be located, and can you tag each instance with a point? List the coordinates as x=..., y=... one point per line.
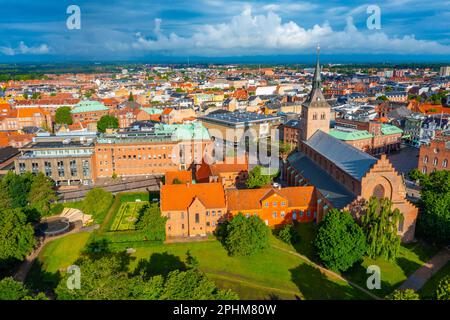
x=166, y=148
x=436, y=154
x=67, y=160
x=17, y=119
x=369, y=136
x=89, y=111
x=234, y=128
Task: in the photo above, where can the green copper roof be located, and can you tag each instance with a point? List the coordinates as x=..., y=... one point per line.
x=350, y=135
x=390, y=129
x=89, y=106
x=194, y=131
x=152, y=110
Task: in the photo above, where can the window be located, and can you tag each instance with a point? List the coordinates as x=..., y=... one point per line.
x=274, y=215
x=444, y=163
x=182, y=226
x=207, y=224
x=424, y=170
x=435, y=161
x=266, y=204
x=425, y=159
x=314, y=116
x=282, y=214
x=35, y=167
x=274, y=204
x=197, y=218
x=86, y=169
x=207, y=213
x=73, y=168
x=61, y=168
x=213, y=213
x=48, y=168
x=182, y=215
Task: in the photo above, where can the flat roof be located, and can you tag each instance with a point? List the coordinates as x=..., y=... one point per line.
x=238, y=117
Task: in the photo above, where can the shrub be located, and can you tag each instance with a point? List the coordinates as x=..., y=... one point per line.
x=287, y=234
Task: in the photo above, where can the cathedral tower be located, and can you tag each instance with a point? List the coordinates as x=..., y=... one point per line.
x=315, y=110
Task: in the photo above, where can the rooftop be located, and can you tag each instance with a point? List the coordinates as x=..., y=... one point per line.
x=238, y=117
x=89, y=106
x=351, y=160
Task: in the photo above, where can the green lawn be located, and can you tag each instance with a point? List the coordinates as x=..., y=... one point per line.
x=126, y=216
x=54, y=257
x=410, y=258
x=270, y=274
x=428, y=291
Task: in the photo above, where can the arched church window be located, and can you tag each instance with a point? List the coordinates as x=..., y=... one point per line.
x=378, y=191
x=322, y=116
x=314, y=116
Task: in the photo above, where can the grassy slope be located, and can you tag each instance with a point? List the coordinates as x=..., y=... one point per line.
x=428, y=291
x=272, y=273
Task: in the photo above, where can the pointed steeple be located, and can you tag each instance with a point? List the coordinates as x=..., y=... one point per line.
x=317, y=79
x=316, y=91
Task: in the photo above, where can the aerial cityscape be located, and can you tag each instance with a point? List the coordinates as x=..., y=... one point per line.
x=224, y=150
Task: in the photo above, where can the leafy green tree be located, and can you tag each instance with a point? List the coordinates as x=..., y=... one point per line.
x=103, y=278
x=36, y=95
x=63, y=115
x=256, y=178
x=107, y=122
x=380, y=224
x=130, y=97
x=288, y=234
x=433, y=223
x=382, y=98
x=18, y=187
x=443, y=290
x=406, y=294
x=12, y=290
x=246, y=236
x=340, y=241
x=41, y=194
x=193, y=285
x=16, y=234
x=152, y=223
x=96, y=202
x=191, y=261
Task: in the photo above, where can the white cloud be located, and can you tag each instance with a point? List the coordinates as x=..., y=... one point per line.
x=24, y=49
x=248, y=34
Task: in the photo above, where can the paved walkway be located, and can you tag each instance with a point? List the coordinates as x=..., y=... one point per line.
x=424, y=273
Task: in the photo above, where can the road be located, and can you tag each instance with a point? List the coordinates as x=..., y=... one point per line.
x=149, y=184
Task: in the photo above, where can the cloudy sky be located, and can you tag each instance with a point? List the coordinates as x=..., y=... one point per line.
x=145, y=29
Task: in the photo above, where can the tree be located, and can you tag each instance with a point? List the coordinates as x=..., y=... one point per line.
x=246, y=236
x=191, y=261
x=443, y=290
x=16, y=234
x=256, y=178
x=36, y=95
x=340, y=241
x=152, y=223
x=382, y=98
x=433, y=223
x=193, y=285
x=103, y=278
x=63, y=115
x=406, y=294
x=18, y=187
x=288, y=234
x=96, y=202
x=41, y=194
x=130, y=97
x=380, y=224
x=107, y=122
x=14, y=290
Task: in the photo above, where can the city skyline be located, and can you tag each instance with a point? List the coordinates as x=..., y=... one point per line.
x=235, y=31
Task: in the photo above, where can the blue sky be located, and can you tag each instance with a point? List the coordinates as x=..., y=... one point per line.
x=146, y=29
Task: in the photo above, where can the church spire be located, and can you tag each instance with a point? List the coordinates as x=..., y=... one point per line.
x=317, y=79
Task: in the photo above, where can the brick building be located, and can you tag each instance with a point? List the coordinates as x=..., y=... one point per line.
x=436, y=154
x=89, y=111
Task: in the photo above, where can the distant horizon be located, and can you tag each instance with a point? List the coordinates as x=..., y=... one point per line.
x=243, y=60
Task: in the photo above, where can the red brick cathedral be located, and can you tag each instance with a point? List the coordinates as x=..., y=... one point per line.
x=344, y=175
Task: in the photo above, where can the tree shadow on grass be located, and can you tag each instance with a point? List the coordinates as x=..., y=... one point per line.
x=40, y=280
x=314, y=285
x=159, y=264
x=408, y=266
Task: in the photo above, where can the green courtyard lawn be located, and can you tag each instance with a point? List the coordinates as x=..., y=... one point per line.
x=428, y=291
x=410, y=258
x=56, y=256
x=272, y=274
x=127, y=215
x=268, y=275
